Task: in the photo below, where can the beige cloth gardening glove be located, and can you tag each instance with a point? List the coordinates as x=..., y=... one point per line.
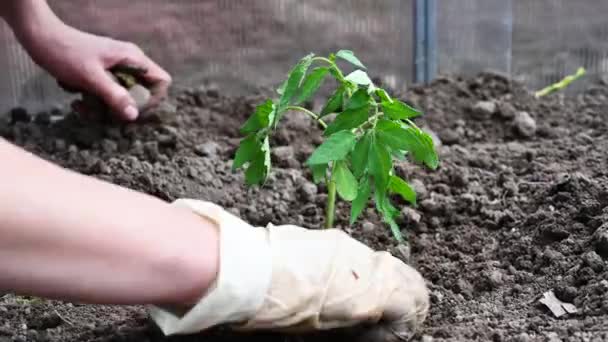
x=291, y=279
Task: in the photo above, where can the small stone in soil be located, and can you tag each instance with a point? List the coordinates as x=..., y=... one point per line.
x=368, y=227
x=208, y=149
x=451, y=136
x=141, y=95
x=484, y=109
x=525, y=124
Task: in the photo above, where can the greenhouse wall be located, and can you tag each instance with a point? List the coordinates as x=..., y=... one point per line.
x=239, y=44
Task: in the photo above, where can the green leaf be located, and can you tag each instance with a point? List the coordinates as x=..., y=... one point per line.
x=359, y=99
x=383, y=95
x=336, y=147
x=360, y=202
x=428, y=155
x=311, y=84
x=258, y=170
x=261, y=118
x=401, y=187
x=248, y=149
x=394, y=135
x=400, y=155
x=359, y=77
x=334, y=104
x=350, y=57
x=318, y=172
x=379, y=163
x=294, y=80
x=389, y=212
x=398, y=110
x=360, y=154
x=407, y=138
x=346, y=183
x=347, y=120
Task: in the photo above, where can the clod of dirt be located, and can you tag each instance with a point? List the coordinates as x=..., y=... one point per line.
x=47, y=320
x=593, y=260
x=411, y=216
x=308, y=191
x=484, y=110
x=525, y=124
x=285, y=156
x=420, y=188
x=601, y=240
x=507, y=111
x=19, y=115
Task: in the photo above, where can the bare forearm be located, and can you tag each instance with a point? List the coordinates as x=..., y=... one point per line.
x=65, y=235
x=28, y=17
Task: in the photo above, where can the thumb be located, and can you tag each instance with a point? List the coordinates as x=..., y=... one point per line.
x=103, y=84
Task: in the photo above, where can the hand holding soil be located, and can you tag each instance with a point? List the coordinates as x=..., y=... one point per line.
x=80, y=61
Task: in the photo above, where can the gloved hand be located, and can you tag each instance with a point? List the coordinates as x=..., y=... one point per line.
x=291, y=279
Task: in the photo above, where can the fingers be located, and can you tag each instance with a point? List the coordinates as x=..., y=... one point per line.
x=95, y=79
x=158, y=80
x=100, y=82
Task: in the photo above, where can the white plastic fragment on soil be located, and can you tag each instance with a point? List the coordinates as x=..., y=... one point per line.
x=557, y=307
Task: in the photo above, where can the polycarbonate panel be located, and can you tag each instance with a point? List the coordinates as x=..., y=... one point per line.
x=537, y=42
x=236, y=44
x=553, y=38
x=474, y=35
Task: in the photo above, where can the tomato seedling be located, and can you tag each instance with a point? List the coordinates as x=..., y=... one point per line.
x=356, y=159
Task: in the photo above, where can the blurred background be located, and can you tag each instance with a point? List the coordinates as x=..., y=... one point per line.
x=240, y=44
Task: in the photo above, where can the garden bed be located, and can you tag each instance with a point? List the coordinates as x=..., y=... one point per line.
x=514, y=210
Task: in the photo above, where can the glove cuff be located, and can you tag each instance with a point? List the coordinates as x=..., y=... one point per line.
x=244, y=275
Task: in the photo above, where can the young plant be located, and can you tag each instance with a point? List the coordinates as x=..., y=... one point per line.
x=565, y=82
x=356, y=158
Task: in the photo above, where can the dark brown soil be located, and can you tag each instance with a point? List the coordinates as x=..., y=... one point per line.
x=507, y=216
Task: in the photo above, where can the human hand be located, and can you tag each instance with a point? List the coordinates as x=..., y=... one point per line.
x=80, y=61
x=291, y=279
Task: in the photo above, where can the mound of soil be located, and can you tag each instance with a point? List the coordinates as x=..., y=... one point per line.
x=518, y=207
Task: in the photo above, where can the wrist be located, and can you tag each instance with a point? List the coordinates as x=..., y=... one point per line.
x=243, y=276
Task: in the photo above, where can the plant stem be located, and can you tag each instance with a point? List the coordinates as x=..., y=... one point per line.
x=311, y=114
x=331, y=200
x=332, y=64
